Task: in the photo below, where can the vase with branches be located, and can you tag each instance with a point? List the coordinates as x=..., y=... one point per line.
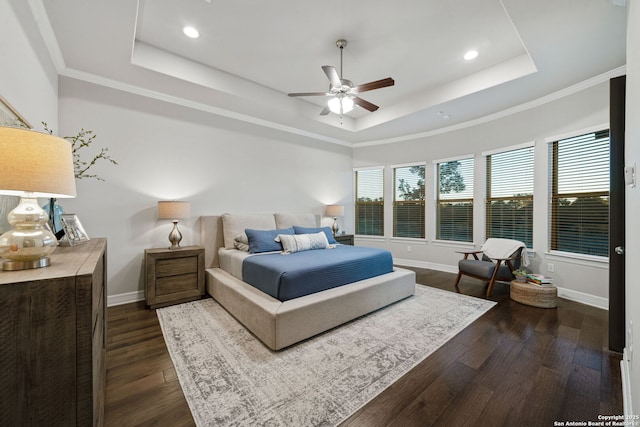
x=79, y=142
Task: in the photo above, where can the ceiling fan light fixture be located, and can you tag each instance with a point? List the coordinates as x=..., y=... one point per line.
x=340, y=104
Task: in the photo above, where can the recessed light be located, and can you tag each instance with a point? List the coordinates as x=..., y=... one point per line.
x=472, y=54
x=191, y=32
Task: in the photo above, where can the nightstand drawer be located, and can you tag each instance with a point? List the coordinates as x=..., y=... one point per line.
x=175, y=284
x=176, y=266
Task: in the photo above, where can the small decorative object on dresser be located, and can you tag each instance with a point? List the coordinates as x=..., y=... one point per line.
x=173, y=276
x=345, y=239
x=73, y=229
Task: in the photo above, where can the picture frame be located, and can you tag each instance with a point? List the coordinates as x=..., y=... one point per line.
x=10, y=117
x=73, y=229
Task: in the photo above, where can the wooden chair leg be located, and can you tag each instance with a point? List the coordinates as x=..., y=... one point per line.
x=493, y=279
x=458, y=281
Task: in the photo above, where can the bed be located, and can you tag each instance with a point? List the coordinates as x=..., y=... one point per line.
x=279, y=324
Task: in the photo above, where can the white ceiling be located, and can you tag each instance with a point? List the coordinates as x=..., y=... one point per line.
x=251, y=53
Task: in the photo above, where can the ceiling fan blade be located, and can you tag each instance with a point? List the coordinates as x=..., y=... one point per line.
x=364, y=104
x=325, y=111
x=310, y=94
x=374, y=85
x=332, y=74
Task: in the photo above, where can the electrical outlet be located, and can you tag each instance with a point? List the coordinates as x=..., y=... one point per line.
x=551, y=268
x=409, y=248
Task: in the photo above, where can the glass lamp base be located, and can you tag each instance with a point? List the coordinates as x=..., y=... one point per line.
x=11, y=265
x=29, y=244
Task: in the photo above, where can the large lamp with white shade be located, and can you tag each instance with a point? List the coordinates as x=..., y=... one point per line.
x=32, y=165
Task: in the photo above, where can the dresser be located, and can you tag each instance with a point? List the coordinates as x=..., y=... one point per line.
x=173, y=276
x=52, y=340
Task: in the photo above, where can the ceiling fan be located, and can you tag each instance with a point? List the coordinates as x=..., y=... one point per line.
x=343, y=92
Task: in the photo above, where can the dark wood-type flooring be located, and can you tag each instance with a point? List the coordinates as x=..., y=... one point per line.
x=515, y=366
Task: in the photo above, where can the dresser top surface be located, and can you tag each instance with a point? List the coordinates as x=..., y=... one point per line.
x=65, y=261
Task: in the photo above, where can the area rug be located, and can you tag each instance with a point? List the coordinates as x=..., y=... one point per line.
x=230, y=378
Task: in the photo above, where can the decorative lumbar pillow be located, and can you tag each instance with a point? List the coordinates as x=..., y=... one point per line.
x=303, y=242
x=241, y=242
x=264, y=240
x=311, y=230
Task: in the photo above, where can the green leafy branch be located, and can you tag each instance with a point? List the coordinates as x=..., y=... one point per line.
x=83, y=139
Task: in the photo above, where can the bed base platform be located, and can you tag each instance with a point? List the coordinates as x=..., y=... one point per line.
x=280, y=324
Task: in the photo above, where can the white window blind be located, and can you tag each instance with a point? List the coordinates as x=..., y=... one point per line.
x=408, y=201
x=454, y=200
x=370, y=202
x=509, y=205
x=580, y=194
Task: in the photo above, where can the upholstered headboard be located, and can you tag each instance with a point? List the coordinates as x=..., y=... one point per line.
x=218, y=231
x=211, y=238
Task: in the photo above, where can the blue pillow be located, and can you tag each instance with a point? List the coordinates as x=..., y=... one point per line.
x=263, y=240
x=313, y=230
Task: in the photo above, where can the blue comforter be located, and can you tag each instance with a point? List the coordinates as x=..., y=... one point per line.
x=302, y=273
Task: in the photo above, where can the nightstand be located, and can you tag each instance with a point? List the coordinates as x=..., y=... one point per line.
x=345, y=239
x=173, y=276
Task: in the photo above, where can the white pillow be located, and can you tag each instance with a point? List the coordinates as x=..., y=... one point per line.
x=241, y=242
x=303, y=242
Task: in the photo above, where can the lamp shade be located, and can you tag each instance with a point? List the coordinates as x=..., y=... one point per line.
x=36, y=163
x=335, y=210
x=174, y=210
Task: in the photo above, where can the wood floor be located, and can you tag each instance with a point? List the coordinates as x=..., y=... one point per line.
x=515, y=366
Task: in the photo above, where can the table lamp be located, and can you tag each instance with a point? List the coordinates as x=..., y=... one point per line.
x=335, y=211
x=32, y=165
x=174, y=210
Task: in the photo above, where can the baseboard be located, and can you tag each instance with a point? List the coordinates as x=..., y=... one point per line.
x=565, y=293
x=125, y=298
x=626, y=385
x=583, y=298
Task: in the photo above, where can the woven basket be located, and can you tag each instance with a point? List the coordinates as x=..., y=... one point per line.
x=534, y=295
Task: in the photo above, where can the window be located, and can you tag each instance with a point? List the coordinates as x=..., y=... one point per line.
x=454, y=200
x=408, y=201
x=370, y=202
x=580, y=194
x=509, y=206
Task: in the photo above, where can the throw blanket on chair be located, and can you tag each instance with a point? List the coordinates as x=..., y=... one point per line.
x=504, y=248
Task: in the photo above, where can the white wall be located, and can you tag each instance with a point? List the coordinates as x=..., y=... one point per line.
x=632, y=238
x=584, y=281
x=28, y=79
x=169, y=152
